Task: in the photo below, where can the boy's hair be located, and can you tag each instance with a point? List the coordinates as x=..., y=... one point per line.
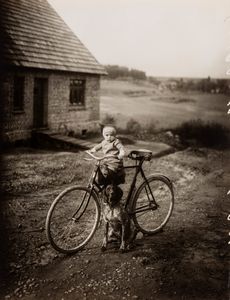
x=109, y=128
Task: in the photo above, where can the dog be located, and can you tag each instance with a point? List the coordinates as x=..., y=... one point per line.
x=116, y=217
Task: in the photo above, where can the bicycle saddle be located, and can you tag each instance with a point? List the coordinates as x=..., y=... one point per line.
x=140, y=154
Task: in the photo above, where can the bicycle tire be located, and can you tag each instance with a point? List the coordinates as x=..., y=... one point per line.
x=148, y=217
x=72, y=219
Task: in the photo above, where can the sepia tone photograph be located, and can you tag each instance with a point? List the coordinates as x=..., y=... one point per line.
x=115, y=149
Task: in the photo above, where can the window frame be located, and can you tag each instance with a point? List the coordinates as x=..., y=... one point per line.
x=77, y=92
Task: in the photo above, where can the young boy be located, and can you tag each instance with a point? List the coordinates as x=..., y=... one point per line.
x=112, y=169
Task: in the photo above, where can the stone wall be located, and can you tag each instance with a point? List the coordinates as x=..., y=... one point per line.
x=60, y=113
x=15, y=125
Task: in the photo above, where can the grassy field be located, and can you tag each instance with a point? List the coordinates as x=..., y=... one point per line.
x=162, y=108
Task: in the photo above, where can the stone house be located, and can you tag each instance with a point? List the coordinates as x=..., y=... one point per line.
x=48, y=79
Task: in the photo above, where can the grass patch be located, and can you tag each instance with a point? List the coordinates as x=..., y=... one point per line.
x=200, y=133
x=135, y=93
x=26, y=170
x=185, y=100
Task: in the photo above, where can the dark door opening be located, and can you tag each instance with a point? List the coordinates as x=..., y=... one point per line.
x=40, y=102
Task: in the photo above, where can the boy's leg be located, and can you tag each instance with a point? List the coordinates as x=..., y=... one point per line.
x=104, y=170
x=116, y=177
x=102, y=175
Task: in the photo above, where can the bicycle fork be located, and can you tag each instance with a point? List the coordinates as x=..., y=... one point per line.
x=84, y=199
x=84, y=204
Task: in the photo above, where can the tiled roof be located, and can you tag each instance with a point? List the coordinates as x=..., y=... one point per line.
x=33, y=35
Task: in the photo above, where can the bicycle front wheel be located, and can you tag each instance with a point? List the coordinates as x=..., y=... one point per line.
x=153, y=204
x=72, y=219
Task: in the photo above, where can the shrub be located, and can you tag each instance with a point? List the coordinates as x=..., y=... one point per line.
x=133, y=126
x=213, y=135
x=109, y=119
x=150, y=127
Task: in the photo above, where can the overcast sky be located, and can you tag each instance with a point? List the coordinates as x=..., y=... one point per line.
x=161, y=37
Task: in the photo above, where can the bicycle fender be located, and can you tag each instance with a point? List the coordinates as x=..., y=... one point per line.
x=159, y=175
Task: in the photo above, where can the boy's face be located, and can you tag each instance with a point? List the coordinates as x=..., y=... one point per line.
x=109, y=136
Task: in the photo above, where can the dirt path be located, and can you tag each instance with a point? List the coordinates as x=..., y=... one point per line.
x=188, y=260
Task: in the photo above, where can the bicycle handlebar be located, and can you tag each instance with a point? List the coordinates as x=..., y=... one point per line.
x=99, y=158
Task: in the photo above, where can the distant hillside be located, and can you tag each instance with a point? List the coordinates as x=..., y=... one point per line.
x=207, y=85
x=118, y=72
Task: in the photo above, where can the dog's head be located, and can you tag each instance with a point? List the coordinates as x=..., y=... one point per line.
x=113, y=194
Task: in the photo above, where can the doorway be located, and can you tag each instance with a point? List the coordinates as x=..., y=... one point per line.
x=40, y=108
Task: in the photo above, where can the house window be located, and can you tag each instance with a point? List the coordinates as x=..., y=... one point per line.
x=18, y=101
x=77, y=92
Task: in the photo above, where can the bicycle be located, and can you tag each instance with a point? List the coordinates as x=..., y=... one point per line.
x=74, y=215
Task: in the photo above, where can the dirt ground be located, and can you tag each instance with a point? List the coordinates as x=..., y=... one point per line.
x=188, y=260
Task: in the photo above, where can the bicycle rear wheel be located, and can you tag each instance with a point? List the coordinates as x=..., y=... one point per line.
x=72, y=219
x=153, y=204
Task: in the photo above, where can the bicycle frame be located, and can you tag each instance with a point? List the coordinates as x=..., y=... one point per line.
x=75, y=214
x=131, y=193
x=92, y=180
x=96, y=188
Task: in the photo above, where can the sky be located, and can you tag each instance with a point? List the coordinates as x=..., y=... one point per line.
x=181, y=38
